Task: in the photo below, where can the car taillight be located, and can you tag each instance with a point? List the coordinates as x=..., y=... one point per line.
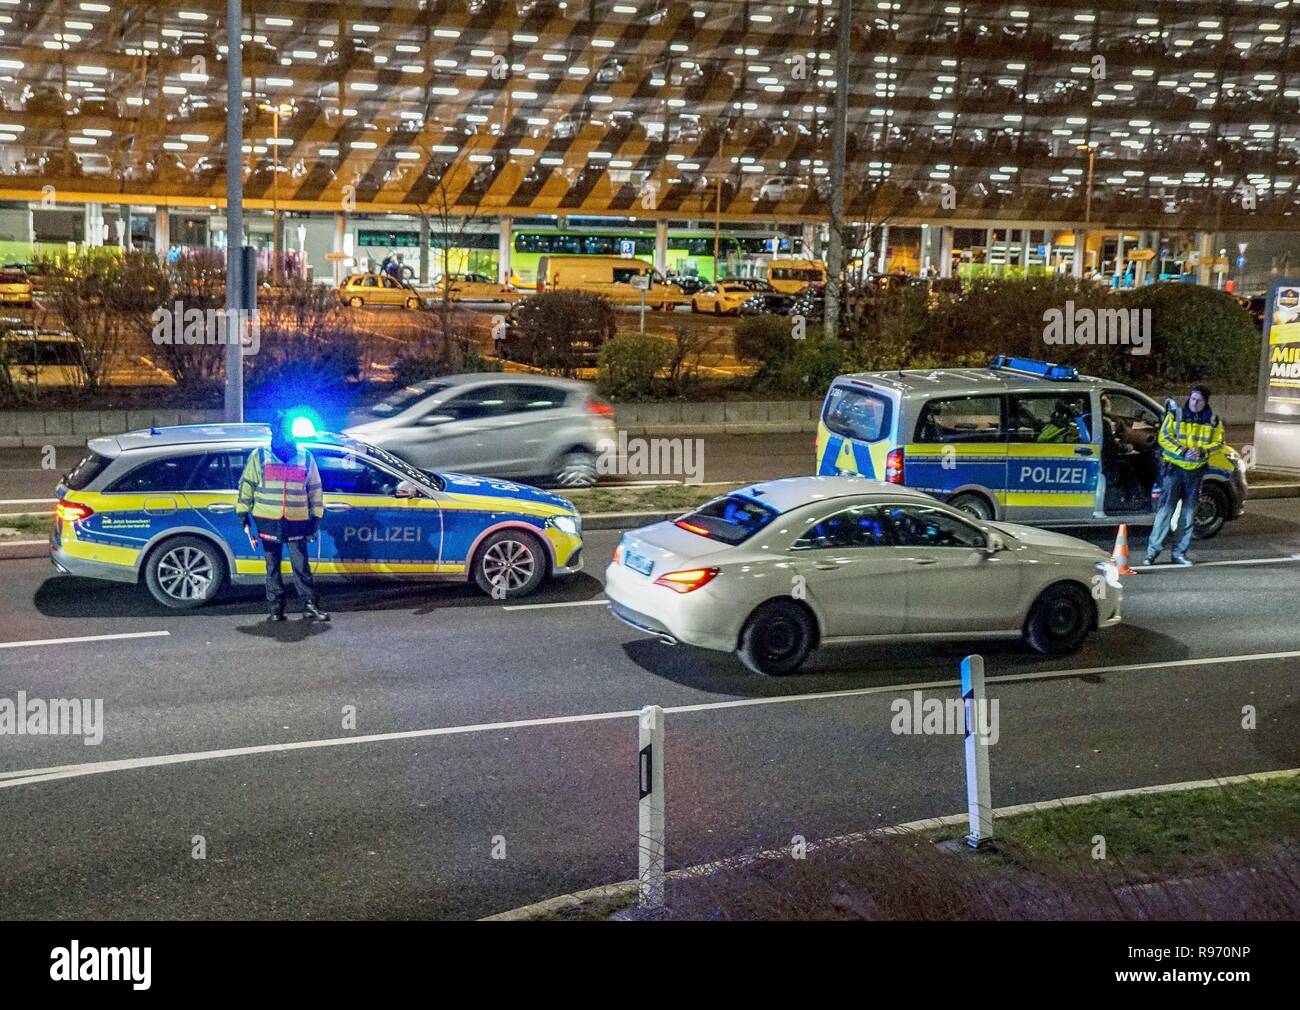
x=691, y=528
x=599, y=407
x=72, y=512
x=894, y=466
x=687, y=581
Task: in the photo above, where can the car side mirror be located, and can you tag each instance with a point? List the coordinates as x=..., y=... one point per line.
x=406, y=489
x=995, y=543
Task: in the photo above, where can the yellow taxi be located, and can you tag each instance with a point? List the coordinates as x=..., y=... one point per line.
x=360, y=290
x=724, y=299
x=15, y=288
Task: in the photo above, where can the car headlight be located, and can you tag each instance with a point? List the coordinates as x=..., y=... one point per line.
x=571, y=525
x=1110, y=572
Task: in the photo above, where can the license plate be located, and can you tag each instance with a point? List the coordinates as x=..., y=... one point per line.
x=637, y=563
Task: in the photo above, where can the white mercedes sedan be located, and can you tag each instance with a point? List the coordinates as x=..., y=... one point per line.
x=777, y=569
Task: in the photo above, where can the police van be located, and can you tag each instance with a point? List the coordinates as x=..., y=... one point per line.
x=1023, y=441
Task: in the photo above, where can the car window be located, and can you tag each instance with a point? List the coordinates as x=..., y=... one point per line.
x=90, y=467
x=218, y=471
x=624, y=276
x=961, y=419
x=856, y=413
x=171, y=473
x=343, y=473
x=1133, y=412
x=487, y=401
x=368, y=282
x=525, y=397
x=860, y=526
x=927, y=526
x=732, y=520
x=1047, y=417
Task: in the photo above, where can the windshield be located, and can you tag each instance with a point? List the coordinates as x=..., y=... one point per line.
x=403, y=398
x=732, y=520
x=401, y=466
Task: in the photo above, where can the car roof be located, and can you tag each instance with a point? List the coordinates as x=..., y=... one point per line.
x=964, y=381
x=190, y=435
x=470, y=378
x=786, y=493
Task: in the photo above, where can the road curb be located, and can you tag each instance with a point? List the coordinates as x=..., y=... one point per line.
x=526, y=912
x=24, y=550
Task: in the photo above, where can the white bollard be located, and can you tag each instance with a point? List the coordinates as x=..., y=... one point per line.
x=650, y=809
x=979, y=805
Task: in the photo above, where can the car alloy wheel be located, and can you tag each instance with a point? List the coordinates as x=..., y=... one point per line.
x=356, y=302
x=510, y=564
x=577, y=469
x=186, y=573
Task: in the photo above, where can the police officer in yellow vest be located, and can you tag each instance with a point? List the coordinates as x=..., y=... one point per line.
x=1189, y=436
x=281, y=489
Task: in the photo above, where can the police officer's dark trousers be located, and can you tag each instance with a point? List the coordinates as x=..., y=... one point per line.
x=303, y=583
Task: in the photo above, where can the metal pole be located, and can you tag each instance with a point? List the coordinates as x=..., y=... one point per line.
x=717, y=229
x=650, y=808
x=234, y=210
x=275, y=198
x=839, y=148
x=979, y=805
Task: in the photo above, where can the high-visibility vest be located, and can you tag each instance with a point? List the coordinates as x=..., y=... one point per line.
x=275, y=490
x=1178, y=434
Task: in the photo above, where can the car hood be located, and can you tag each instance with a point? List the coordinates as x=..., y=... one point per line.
x=464, y=483
x=1051, y=543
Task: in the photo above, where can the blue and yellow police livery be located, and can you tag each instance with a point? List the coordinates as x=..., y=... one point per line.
x=1022, y=440
x=159, y=506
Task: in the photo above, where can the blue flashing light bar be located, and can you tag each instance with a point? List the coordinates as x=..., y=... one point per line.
x=1031, y=366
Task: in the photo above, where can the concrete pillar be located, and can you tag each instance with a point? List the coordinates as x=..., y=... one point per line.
x=945, y=251
x=1026, y=236
x=124, y=215
x=661, y=246
x=424, y=249
x=1155, y=260
x=1119, y=258
x=340, y=236
x=93, y=230
x=162, y=232
x=927, y=256
x=1080, y=253
x=1205, y=254
x=809, y=241
x=505, y=243
x=989, y=233
x=883, y=261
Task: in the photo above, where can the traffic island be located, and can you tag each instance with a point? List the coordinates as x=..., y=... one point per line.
x=1213, y=850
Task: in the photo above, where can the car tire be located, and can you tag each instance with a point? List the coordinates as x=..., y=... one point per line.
x=513, y=558
x=695, y=306
x=412, y=303
x=777, y=638
x=974, y=505
x=717, y=308
x=184, y=572
x=1060, y=619
x=1211, y=511
x=356, y=301
x=577, y=468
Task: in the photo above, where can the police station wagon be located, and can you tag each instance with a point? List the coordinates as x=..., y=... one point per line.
x=1022, y=441
x=158, y=506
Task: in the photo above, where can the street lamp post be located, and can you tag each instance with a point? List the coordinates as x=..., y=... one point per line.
x=235, y=281
x=839, y=150
x=1087, y=206
x=276, y=227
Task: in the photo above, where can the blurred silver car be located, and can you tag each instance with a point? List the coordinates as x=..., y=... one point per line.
x=496, y=424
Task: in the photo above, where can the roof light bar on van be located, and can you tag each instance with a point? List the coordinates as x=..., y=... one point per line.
x=1030, y=366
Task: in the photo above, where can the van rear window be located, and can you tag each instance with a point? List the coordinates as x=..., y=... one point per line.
x=732, y=520
x=856, y=413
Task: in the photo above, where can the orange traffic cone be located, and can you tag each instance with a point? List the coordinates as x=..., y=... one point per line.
x=1120, y=554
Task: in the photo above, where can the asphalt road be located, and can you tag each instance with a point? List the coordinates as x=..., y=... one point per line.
x=358, y=826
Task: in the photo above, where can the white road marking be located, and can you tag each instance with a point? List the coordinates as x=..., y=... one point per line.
x=1168, y=566
x=85, y=638
x=30, y=776
x=548, y=606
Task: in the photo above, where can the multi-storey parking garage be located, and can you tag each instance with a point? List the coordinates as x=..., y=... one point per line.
x=1019, y=124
